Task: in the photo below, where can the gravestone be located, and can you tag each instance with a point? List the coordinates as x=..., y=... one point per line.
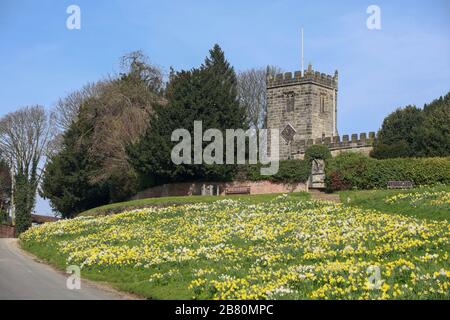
x=318, y=174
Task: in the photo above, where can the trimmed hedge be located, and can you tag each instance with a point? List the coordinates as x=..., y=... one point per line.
x=289, y=171
x=354, y=170
x=317, y=151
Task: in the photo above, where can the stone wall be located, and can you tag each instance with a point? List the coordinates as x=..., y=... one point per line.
x=195, y=188
x=307, y=103
x=362, y=143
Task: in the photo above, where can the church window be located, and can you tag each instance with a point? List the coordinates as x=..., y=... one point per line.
x=290, y=98
x=322, y=104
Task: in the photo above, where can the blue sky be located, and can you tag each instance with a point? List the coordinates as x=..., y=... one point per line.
x=406, y=62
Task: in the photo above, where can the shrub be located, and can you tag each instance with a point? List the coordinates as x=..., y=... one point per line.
x=317, y=151
x=353, y=170
x=399, y=149
x=292, y=171
x=335, y=182
x=289, y=171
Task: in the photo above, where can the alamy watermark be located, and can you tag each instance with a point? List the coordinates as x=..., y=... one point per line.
x=235, y=147
x=374, y=280
x=73, y=281
x=73, y=21
x=373, y=22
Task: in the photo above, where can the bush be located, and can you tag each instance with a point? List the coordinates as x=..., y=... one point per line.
x=289, y=171
x=317, y=151
x=292, y=171
x=399, y=149
x=335, y=182
x=353, y=170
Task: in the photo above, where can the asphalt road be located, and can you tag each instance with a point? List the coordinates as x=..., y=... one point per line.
x=24, y=278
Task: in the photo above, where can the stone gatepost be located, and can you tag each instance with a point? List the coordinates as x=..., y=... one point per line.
x=317, y=179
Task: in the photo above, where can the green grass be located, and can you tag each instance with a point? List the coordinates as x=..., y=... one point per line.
x=279, y=229
x=168, y=201
x=244, y=249
x=375, y=199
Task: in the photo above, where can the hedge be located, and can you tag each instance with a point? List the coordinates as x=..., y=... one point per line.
x=289, y=171
x=354, y=170
x=317, y=151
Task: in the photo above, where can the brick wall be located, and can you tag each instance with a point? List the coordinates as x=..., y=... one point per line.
x=7, y=231
x=195, y=188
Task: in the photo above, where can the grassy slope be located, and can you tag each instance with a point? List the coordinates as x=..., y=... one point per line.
x=165, y=201
x=374, y=199
x=136, y=281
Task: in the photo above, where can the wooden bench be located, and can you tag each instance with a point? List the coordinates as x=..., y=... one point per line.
x=400, y=184
x=238, y=190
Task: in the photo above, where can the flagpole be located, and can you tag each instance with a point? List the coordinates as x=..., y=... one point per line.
x=303, y=66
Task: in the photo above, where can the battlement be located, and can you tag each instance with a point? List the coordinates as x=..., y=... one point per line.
x=353, y=141
x=309, y=75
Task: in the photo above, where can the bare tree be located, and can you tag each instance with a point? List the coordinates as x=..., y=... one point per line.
x=136, y=64
x=252, y=94
x=119, y=115
x=24, y=141
x=66, y=109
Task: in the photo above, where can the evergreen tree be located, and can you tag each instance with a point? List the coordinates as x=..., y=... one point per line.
x=207, y=94
x=398, y=134
x=434, y=137
x=66, y=180
x=414, y=132
x=24, y=201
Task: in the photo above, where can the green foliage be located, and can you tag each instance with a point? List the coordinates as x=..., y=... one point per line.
x=290, y=171
x=376, y=199
x=434, y=139
x=287, y=217
x=24, y=200
x=414, y=132
x=317, y=151
x=66, y=180
x=25, y=189
x=91, y=167
x=119, y=207
x=5, y=190
x=206, y=94
x=398, y=149
x=354, y=170
x=401, y=125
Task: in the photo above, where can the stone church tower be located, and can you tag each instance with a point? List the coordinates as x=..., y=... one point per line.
x=302, y=107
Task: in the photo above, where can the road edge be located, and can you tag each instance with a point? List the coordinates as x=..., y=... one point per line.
x=123, y=295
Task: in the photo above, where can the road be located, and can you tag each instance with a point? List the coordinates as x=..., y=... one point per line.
x=24, y=278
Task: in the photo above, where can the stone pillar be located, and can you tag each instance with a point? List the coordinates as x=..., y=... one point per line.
x=317, y=180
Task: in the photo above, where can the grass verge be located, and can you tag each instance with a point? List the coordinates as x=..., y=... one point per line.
x=256, y=248
x=418, y=202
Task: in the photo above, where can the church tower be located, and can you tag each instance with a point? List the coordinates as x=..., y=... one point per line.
x=302, y=107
